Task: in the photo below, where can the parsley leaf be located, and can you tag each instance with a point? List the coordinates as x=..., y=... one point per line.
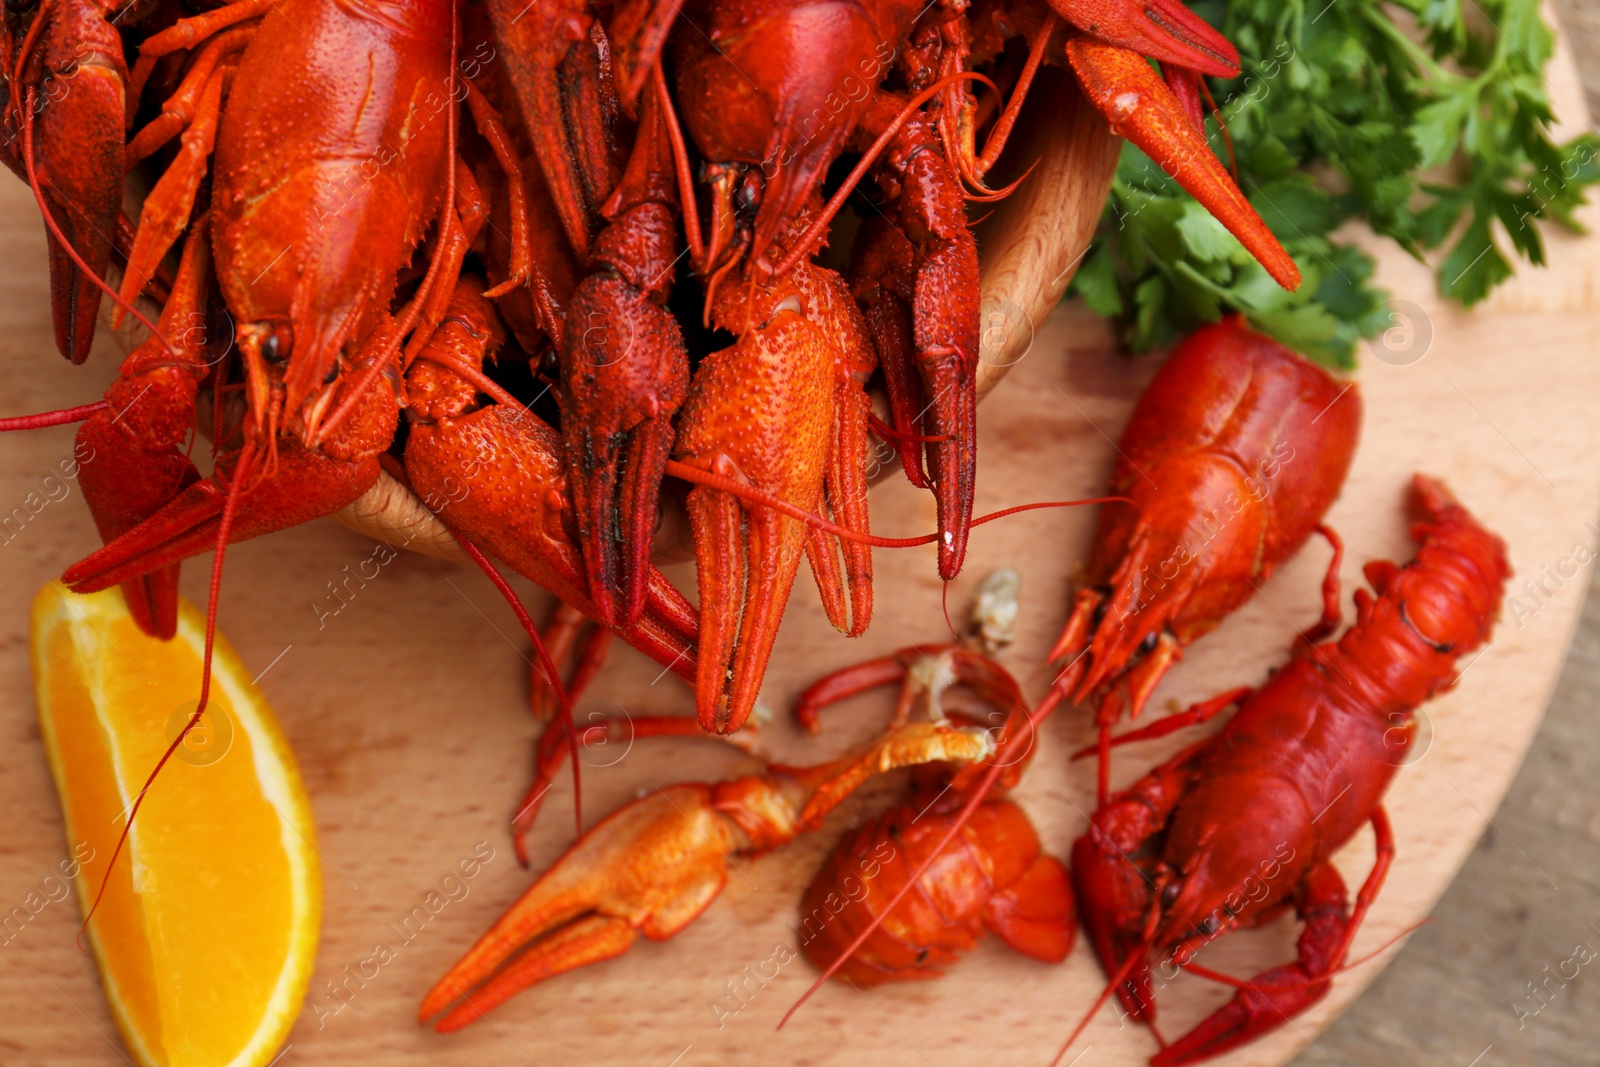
x=1339, y=109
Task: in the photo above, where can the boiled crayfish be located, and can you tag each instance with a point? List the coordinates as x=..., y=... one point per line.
x=995, y=877
x=1168, y=865
x=1231, y=458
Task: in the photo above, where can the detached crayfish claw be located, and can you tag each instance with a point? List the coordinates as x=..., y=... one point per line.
x=651, y=867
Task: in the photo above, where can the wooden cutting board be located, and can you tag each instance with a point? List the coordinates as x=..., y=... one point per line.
x=404, y=699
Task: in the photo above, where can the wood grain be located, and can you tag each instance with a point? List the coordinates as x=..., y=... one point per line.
x=405, y=704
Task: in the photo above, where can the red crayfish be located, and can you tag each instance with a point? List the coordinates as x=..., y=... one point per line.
x=1233, y=454
x=995, y=877
x=1176, y=860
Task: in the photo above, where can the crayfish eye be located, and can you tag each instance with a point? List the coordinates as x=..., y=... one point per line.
x=1148, y=643
x=1100, y=610
x=278, y=344
x=1169, y=895
x=749, y=194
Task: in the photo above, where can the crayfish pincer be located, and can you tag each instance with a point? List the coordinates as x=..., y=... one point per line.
x=1232, y=829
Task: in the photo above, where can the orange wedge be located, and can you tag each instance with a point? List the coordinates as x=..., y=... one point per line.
x=208, y=928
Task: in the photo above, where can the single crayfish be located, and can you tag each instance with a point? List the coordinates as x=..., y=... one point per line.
x=1232, y=456
x=1177, y=859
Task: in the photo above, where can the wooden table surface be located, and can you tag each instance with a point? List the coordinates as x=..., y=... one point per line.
x=1459, y=993
x=1531, y=463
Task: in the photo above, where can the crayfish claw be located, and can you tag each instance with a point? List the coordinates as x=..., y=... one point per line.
x=1142, y=108
x=1164, y=30
x=649, y=868
x=589, y=940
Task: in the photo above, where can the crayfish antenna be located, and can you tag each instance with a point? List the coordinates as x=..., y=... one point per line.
x=64, y=417
x=552, y=676
x=1115, y=980
x=975, y=169
x=224, y=529
x=700, y=476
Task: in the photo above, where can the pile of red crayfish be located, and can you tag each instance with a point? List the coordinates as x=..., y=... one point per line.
x=584, y=250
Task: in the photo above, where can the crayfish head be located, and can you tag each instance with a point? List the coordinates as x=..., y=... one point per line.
x=265, y=347
x=780, y=86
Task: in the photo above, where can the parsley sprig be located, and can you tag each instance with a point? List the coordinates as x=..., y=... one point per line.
x=1425, y=119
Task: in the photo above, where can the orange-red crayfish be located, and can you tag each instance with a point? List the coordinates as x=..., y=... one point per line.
x=306, y=239
x=651, y=867
x=1233, y=454
x=1243, y=824
x=994, y=877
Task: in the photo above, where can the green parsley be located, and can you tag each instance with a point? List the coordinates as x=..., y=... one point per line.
x=1425, y=119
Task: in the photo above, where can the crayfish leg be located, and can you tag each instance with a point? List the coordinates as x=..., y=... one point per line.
x=569, y=637
x=131, y=455
x=881, y=276
x=166, y=210
x=844, y=684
